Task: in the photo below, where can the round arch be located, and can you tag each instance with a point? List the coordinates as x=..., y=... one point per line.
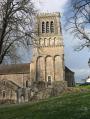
x=40, y=68
x=49, y=68
x=58, y=64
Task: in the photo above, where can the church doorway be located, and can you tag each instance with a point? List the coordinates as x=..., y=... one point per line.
x=49, y=80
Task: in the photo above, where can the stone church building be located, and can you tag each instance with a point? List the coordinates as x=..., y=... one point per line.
x=47, y=64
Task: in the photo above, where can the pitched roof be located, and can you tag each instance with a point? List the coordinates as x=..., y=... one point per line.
x=68, y=70
x=15, y=68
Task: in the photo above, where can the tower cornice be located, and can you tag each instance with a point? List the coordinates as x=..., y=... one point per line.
x=52, y=14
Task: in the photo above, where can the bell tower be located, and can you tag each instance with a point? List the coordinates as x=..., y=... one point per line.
x=50, y=59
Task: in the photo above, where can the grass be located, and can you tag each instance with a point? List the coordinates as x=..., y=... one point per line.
x=85, y=86
x=67, y=106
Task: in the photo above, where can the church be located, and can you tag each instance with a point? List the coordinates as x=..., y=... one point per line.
x=47, y=63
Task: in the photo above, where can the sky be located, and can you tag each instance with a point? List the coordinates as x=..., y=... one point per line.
x=76, y=61
x=50, y=5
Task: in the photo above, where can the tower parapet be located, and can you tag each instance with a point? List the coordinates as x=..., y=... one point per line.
x=49, y=30
x=49, y=14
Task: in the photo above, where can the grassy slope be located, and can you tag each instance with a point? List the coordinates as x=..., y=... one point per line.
x=84, y=86
x=67, y=106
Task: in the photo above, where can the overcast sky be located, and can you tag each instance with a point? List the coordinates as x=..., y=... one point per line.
x=76, y=61
x=50, y=5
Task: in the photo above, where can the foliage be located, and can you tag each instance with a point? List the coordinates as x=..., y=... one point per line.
x=16, y=27
x=78, y=21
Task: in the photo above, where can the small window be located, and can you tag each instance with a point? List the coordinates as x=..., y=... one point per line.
x=43, y=27
x=52, y=27
x=11, y=93
x=3, y=94
x=4, y=83
x=26, y=83
x=47, y=27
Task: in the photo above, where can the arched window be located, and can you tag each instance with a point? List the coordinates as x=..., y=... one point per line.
x=43, y=27
x=47, y=27
x=52, y=42
x=52, y=27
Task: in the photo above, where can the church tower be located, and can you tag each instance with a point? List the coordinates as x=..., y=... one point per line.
x=50, y=58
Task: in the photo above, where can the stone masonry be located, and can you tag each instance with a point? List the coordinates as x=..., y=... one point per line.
x=18, y=81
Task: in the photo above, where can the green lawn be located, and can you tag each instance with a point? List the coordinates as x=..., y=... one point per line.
x=85, y=86
x=67, y=106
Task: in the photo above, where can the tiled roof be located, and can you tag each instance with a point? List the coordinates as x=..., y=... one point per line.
x=15, y=68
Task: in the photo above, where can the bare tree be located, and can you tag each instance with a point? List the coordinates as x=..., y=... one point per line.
x=78, y=21
x=16, y=27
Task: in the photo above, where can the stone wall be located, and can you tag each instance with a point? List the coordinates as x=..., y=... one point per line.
x=19, y=79
x=8, y=92
x=41, y=90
